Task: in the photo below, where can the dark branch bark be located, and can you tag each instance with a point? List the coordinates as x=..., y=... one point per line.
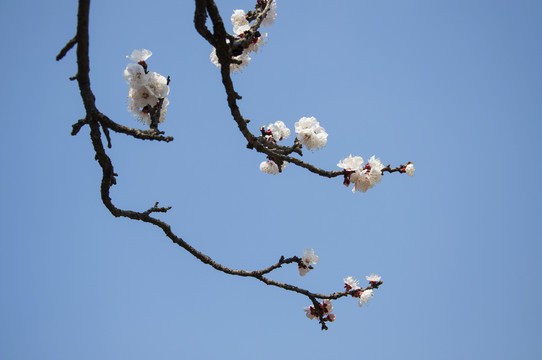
x=200, y=18
x=151, y=134
x=66, y=48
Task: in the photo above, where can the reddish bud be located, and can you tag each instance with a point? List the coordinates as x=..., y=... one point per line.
x=347, y=174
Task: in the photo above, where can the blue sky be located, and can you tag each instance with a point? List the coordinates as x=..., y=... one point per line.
x=454, y=86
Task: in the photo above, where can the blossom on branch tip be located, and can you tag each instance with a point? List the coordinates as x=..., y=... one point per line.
x=310, y=133
x=409, y=169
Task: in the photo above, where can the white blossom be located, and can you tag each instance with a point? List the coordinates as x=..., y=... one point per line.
x=326, y=306
x=140, y=55
x=351, y=284
x=308, y=258
x=365, y=297
x=135, y=75
x=237, y=30
x=310, y=133
x=238, y=19
x=376, y=170
x=269, y=167
x=240, y=26
x=141, y=96
x=367, y=177
x=163, y=111
x=157, y=84
x=214, y=58
x=373, y=278
x=279, y=131
x=351, y=163
x=142, y=114
x=261, y=41
x=244, y=58
x=270, y=16
x=310, y=312
x=409, y=169
x=146, y=89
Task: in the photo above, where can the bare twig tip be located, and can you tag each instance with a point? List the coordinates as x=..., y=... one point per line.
x=66, y=48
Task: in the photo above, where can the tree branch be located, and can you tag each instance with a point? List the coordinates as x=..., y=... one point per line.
x=66, y=48
x=200, y=18
x=95, y=119
x=260, y=145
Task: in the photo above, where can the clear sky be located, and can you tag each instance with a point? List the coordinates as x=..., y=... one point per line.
x=454, y=86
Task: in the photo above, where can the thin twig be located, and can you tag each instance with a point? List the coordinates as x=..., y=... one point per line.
x=66, y=48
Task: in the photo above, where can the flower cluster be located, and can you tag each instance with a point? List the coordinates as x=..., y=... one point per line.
x=275, y=132
x=308, y=258
x=148, y=90
x=242, y=29
x=364, y=295
x=325, y=309
x=364, y=177
x=310, y=133
x=352, y=287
